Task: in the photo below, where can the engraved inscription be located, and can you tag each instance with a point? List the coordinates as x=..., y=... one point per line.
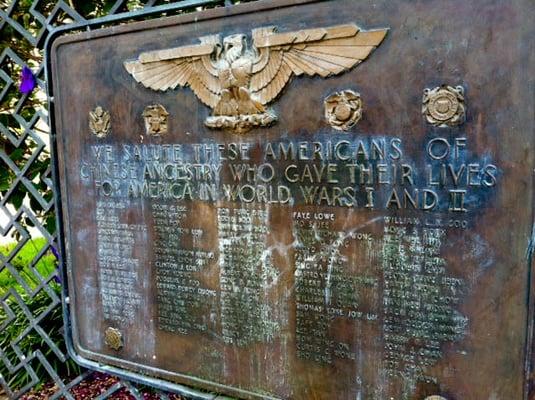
x=246, y=274
x=118, y=268
x=330, y=287
x=184, y=304
x=420, y=300
x=371, y=174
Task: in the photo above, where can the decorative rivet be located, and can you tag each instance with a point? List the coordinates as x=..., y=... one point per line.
x=113, y=338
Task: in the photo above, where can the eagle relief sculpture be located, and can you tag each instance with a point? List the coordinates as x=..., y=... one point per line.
x=238, y=82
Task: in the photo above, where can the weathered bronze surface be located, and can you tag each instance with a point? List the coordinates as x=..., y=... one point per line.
x=368, y=244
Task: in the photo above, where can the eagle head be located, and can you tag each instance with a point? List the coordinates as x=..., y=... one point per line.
x=234, y=46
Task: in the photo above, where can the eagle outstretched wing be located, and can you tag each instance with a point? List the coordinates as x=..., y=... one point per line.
x=181, y=66
x=321, y=51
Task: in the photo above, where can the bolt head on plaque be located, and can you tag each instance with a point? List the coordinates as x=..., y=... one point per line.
x=155, y=119
x=343, y=109
x=113, y=338
x=444, y=106
x=435, y=397
x=99, y=122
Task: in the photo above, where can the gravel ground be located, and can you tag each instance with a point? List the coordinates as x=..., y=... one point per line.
x=90, y=388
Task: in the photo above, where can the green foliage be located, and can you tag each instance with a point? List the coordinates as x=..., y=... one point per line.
x=31, y=341
x=36, y=173
x=22, y=261
x=26, y=107
x=18, y=124
x=15, y=330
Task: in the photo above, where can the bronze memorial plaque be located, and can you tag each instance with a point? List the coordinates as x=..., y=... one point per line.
x=303, y=199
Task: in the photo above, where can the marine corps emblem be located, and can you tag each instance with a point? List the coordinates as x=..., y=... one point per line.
x=99, y=122
x=444, y=105
x=155, y=119
x=343, y=109
x=238, y=82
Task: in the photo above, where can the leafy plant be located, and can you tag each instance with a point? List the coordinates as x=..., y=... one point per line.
x=12, y=336
x=45, y=267
x=16, y=334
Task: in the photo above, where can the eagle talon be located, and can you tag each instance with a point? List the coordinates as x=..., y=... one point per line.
x=240, y=123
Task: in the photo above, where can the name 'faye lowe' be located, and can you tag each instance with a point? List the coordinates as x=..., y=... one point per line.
x=371, y=173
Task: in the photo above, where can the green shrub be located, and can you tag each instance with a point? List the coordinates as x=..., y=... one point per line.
x=37, y=305
x=22, y=261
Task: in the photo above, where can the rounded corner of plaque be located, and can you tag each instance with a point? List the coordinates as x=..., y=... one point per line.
x=78, y=353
